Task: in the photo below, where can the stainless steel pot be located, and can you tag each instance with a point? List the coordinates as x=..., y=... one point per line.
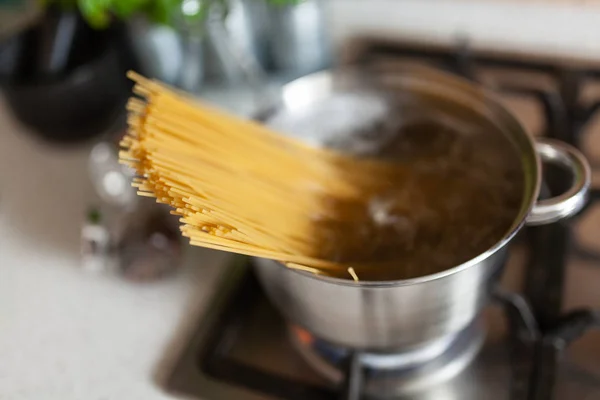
x=429, y=310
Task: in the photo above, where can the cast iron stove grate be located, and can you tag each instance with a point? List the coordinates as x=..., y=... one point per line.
x=211, y=361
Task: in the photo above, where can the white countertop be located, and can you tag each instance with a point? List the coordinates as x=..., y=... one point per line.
x=66, y=334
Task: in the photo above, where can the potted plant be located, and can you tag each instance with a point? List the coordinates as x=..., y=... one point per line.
x=67, y=76
x=67, y=81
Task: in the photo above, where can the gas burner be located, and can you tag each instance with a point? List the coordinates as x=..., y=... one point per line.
x=243, y=349
x=394, y=374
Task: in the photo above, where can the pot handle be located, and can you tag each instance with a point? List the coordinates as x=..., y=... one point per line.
x=572, y=201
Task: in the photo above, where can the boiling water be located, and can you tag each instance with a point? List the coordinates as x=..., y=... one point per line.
x=456, y=190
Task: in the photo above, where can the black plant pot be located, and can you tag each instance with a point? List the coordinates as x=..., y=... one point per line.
x=75, y=95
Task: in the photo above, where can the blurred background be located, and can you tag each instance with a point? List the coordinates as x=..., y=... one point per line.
x=94, y=281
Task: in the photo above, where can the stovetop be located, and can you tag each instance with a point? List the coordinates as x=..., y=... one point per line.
x=539, y=338
x=243, y=350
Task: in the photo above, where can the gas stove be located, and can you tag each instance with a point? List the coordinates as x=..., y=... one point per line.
x=535, y=341
x=243, y=349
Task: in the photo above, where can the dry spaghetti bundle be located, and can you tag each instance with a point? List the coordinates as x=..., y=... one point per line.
x=241, y=187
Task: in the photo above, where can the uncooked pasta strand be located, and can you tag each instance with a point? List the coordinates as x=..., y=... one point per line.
x=239, y=187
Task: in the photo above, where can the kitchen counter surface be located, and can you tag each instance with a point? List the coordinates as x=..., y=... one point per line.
x=66, y=334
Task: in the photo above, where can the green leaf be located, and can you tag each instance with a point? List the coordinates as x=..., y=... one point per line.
x=162, y=11
x=95, y=12
x=98, y=13
x=284, y=2
x=126, y=8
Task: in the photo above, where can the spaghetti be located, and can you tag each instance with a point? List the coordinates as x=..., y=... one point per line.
x=241, y=187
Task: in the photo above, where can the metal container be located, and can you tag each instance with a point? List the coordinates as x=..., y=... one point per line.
x=430, y=310
x=172, y=55
x=238, y=41
x=298, y=40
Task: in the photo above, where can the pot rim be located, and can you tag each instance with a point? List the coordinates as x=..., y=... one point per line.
x=469, y=91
